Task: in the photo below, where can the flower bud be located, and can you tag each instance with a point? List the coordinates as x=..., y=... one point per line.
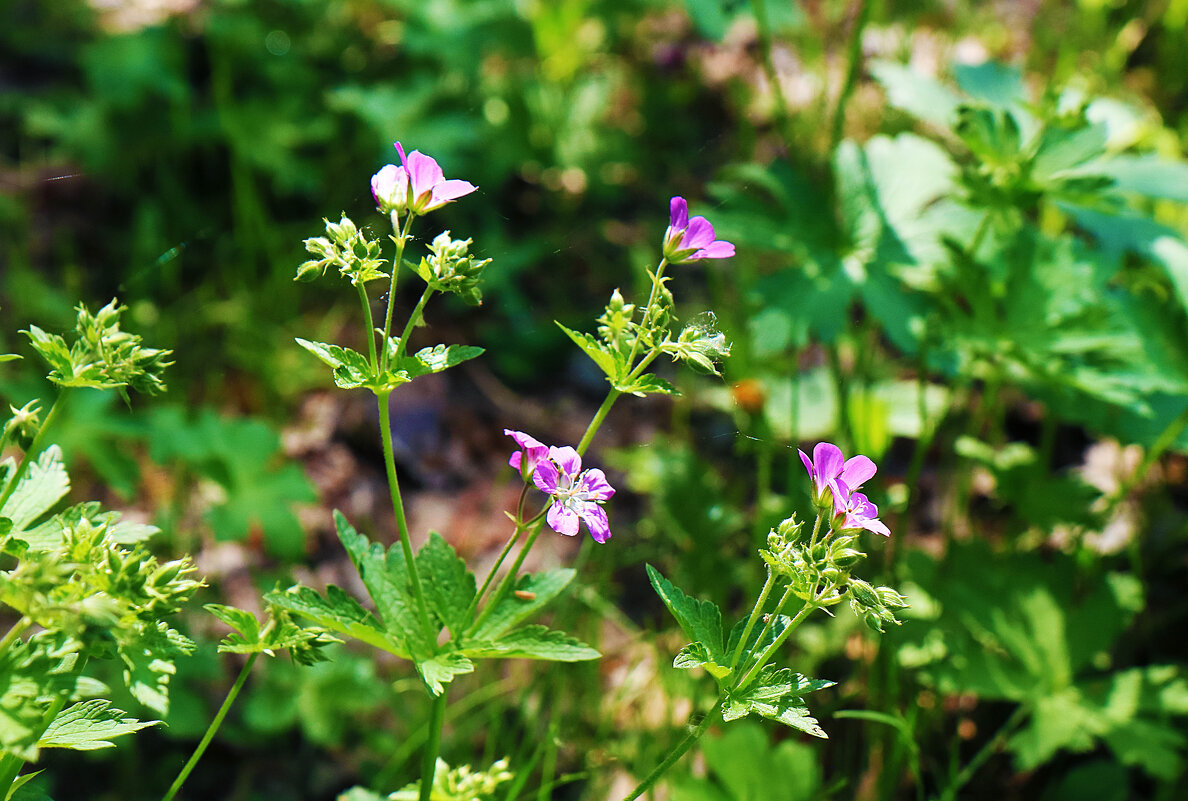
x=845, y=557
x=310, y=271
x=864, y=593
x=891, y=598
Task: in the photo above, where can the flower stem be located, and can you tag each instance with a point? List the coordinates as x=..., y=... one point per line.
x=213, y=728
x=673, y=756
x=597, y=420
x=511, y=542
x=413, y=318
x=385, y=423
x=429, y=762
x=509, y=578
x=401, y=242
x=855, y=64
x=34, y=449
x=765, y=657
x=758, y=610
x=643, y=325
x=366, y=303
x=15, y=632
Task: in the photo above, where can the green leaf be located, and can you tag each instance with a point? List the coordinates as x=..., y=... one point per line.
x=775, y=694
x=442, y=668
x=351, y=369
x=449, y=586
x=649, y=384
x=8, y=357
x=533, y=642
x=90, y=725
x=338, y=612
x=532, y=593
x=435, y=359
x=694, y=655
x=40, y=488
x=700, y=620
x=611, y=363
x=387, y=581
x=916, y=94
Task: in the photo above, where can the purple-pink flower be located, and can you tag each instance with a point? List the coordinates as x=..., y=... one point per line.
x=417, y=185
x=691, y=240
x=531, y=453
x=576, y=494
x=857, y=512
x=828, y=467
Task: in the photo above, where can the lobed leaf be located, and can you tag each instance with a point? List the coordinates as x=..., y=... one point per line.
x=40, y=488
x=386, y=577
x=610, y=362
x=700, y=620
x=442, y=668
x=436, y=358
x=339, y=612
x=449, y=586
x=90, y=725
x=532, y=593
x=533, y=642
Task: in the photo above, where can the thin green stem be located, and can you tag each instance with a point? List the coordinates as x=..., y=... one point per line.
x=673, y=756
x=985, y=752
x=768, y=624
x=14, y=632
x=429, y=762
x=413, y=318
x=212, y=729
x=657, y=283
x=770, y=650
x=511, y=542
x=755, y=613
x=854, y=56
x=34, y=449
x=596, y=422
x=401, y=242
x=509, y=578
x=816, y=530
x=385, y=423
x=366, y=303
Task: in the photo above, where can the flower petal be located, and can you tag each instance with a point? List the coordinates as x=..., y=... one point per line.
x=595, y=517
x=453, y=189
x=808, y=464
x=546, y=477
x=567, y=459
x=857, y=471
x=562, y=520
x=877, y=526
x=719, y=249
x=423, y=172
x=828, y=460
x=678, y=213
x=594, y=486
x=698, y=234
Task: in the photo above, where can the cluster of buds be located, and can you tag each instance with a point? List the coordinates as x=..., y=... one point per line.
x=617, y=326
x=345, y=247
x=700, y=344
x=875, y=605
x=451, y=267
x=22, y=427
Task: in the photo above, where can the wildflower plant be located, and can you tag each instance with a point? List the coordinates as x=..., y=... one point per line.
x=429, y=608
x=806, y=572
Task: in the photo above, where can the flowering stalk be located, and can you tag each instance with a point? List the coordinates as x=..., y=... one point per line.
x=212, y=729
x=679, y=751
x=34, y=448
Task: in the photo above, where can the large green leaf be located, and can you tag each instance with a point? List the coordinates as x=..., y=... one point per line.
x=90, y=725
x=436, y=358
x=531, y=594
x=533, y=642
x=776, y=694
x=386, y=577
x=341, y=613
x=700, y=620
x=43, y=485
x=449, y=586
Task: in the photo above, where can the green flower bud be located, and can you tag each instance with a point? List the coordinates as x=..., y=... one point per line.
x=891, y=598
x=864, y=593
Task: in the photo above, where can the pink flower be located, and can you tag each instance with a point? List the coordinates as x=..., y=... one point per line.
x=417, y=185
x=827, y=469
x=530, y=454
x=856, y=513
x=575, y=494
x=691, y=240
